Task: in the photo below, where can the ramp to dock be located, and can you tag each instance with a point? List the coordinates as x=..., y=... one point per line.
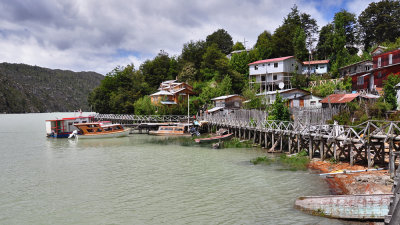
x=362, y=207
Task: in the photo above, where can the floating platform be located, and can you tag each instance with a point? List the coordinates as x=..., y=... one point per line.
x=359, y=207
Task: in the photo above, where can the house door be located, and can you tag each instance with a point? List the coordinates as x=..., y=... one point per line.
x=296, y=103
x=371, y=82
x=301, y=102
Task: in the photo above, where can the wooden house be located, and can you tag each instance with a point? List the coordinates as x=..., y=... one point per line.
x=315, y=67
x=384, y=64
x=226, y=102
x=171, y=92
x=296, y=98
x=335, y=100
x=273, y=74
x=359, y=73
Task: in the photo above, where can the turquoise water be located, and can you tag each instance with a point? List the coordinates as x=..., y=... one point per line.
x=140, y=180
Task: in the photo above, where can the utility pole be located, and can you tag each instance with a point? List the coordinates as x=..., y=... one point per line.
x=244, y=43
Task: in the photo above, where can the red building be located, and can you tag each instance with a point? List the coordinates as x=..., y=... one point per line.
x=383, y=64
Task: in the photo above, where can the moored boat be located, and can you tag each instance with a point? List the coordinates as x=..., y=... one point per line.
x=62, y=128
x=178, y=130
x=214, y=139
x=99, y=130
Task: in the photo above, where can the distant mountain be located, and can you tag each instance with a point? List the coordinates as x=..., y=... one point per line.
x=28, y=89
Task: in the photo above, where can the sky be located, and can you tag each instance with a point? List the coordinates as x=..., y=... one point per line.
x=93, y=35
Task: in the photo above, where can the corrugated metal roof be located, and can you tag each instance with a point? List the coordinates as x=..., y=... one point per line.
x=271, y=60
x=223, y=97
x=214, y=109
x=340, y=98
x=315, y=62
x=161, y=93
x=168, y=103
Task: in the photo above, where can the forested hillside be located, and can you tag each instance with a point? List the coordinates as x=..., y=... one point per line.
x=204, y=65
x=25, y=89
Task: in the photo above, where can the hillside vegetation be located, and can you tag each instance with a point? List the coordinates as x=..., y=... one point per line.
x=28, y=89
x=204, y=64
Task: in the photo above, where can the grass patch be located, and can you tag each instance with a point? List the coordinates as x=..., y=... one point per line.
x=183, y=141
x=236, y=143
x=262, y=160
x=295, y=162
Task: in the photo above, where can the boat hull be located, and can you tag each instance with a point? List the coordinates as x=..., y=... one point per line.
x=123, y=133
x=214, y=139
x=169, y=134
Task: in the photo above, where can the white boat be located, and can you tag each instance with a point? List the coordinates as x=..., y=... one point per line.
x=99, y=130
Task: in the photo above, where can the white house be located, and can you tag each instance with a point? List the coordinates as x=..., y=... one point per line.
x=296, y=98
x=273, y=74
x=315, y=67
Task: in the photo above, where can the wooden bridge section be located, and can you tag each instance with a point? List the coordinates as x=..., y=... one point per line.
x=370, y=143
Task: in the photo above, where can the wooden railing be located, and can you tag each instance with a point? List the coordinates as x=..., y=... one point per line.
x=137, y=119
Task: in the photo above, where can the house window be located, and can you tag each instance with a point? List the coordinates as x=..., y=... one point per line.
x=390, y=59
x=275, y=65
x=316, y=66
x=321, y=67
x=255, y=67
x=379, y=74
x=262, y=78
x=275, y=77
x=313, y=102
x=360, y=80
x=379, y=62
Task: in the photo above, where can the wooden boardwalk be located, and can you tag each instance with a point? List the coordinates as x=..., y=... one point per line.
x=371, y=143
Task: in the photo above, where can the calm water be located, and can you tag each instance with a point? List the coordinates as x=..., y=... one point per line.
x=140, y=180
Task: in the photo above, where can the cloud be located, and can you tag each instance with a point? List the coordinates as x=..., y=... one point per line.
x=99, y=35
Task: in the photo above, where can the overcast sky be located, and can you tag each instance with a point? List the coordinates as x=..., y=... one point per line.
x=93, y=35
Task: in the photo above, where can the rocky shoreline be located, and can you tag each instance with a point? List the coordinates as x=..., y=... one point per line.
x=371, y=182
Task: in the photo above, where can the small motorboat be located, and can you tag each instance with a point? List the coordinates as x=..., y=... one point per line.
x=214, y=139
x=99, y=130
x=178, y=130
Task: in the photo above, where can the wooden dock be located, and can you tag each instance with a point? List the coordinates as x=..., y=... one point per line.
x=370, y=143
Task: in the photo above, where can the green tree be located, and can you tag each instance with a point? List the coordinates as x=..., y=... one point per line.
x=299, y=44
x=264, y=45
x=238, y=46
x=344, y=40
x=325, y=42
x=188, y=73
x=225, y=87
x=252, y=100
x=279, y=110
x=389, y=89
x=159, y=69
x=193, y=52
x=118, y=91
x=143, y=106
x=380, y=22
x=223, y=40
x=239, y=62
x=214, y=64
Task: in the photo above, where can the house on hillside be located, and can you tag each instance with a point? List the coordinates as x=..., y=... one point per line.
x=296, y=98
x=171, y=92
x=336, y=100
x=384, y=64
x=359, y=73
x=230, y=102
x=315, y=67
x=229, y=56
x=273, y=74
x=372, y=74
